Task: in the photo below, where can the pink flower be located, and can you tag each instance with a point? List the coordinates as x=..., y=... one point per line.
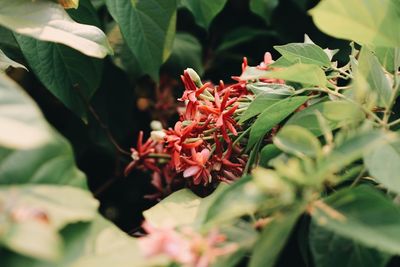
x=196, y=166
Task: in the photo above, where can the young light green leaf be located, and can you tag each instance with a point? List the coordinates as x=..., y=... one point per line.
x=272, y=116
x=304, y=53
x=204, y=11
x=264, y=8
x=382, y=164
x=301, y=73
x=23, y=125
x=388, y=57
x=48, y=21
x=370, y=73
x=273, y=238
x=182, y=208
x=148, y=28
x=373, y=22
x=298, y=141
x=336, y=114
x=6, y=62
x=61, y=204
x=261, y=102
x=34, y=214
x=354, y=148
x=362, y=214
x=226, y=206
x=331, y=250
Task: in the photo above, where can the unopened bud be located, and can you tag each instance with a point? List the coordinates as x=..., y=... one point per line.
x=157, y=135
x=156, y=125
x=194, y=76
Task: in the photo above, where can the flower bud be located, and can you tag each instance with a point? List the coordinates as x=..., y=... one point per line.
x=156, y=125
x=194, y=76
x=157, y=135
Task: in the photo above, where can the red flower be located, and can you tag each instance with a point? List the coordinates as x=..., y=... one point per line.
x=139, y=155
x=197, y=166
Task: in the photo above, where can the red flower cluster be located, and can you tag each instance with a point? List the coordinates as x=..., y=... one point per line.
x=201, y=147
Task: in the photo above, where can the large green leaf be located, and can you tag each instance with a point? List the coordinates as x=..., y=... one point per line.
x=186, y=52
x=370, y=77
x=383, y=164
x=264, y=8
x=372, y=22
x=298, y=141
x=69, y=75
x=48, y=21
x=332, y=250
x=182, y=208
x=204, y=11
x=273, y=238
x=6, y=62
x=148, y=28
x=272, y=116
x=30, y=151
x=98, y=243
x=364, y=215
x=301, y=73
x=23, y=125
x=34, y=214
x=335, y=113
x=306, y=53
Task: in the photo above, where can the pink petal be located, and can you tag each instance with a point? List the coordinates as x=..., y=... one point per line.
x=192, y=170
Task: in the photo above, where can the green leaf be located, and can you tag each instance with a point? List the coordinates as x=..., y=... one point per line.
x=388, y=57
x=264, y=8
x=272, y=116
x=186, y=52
x=336, y=113
x=44, y=157
x=331, y=250
x=98, y=243
x=241, y=198
x=48, y=21
x=69, y=75
x=52, y=163
x=182, y=208
x=297, y=140
x=33, y=239
x=382, y=164
x=273, y=89
x=23, y=125
x=273, y=238
x=6, y=62
x=370, y=78
x=34, y=214
x=261, y=102
x=240, y=36
x=148, y=28
x=354, y=148
x=373, y=22
x=304, y=53
x=123, y=57
x=62, y=204
x=301, y=73
x=364, y=215
x=204, y=11
x=267, y=153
